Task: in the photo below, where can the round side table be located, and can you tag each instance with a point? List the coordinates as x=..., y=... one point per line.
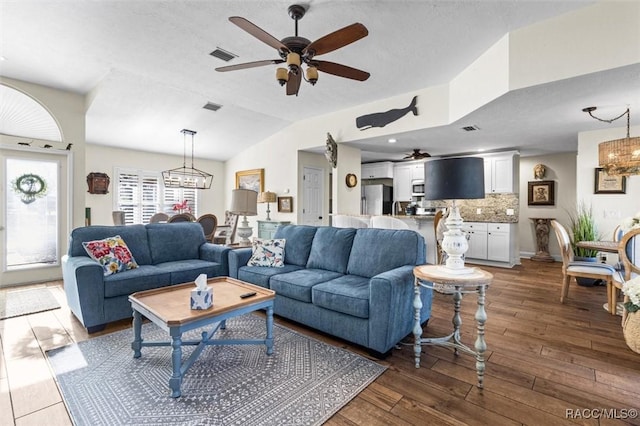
x=438, y=278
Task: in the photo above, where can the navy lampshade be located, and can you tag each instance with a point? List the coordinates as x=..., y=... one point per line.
x=454, y=178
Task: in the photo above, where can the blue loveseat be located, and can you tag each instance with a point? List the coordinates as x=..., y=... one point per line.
x=356, y=284
x=167, y=254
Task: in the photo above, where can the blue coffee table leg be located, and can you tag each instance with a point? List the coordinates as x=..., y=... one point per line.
x=269, y=340
x=136, y=345
x=176, y=362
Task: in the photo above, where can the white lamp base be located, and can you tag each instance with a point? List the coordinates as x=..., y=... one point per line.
x=455, y=244
x=244, y=231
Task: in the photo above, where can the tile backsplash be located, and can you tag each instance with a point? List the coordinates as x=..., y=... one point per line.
x=493, y=208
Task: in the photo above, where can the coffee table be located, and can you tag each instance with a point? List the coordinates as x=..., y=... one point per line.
x=169, y=308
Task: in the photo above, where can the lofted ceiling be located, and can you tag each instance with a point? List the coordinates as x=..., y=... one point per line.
x=146, y=70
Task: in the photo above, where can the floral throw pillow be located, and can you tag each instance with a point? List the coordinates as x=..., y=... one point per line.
x=267, y=253
x=111, y=253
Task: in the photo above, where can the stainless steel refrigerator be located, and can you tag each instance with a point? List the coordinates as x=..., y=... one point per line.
x=376, y=199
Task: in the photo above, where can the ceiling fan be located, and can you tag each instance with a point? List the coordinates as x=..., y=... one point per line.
x=296, y=51
x=417, y=155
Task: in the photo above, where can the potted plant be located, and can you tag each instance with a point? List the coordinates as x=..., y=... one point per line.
x=583, y=228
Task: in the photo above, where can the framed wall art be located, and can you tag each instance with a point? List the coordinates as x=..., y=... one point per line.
x=285, y=204
x=542, y=193
x=606, y=184
x=250, y=179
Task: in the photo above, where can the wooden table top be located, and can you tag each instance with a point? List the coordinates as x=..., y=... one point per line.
x=172, y=304
x=607, y=246
x=439, y=274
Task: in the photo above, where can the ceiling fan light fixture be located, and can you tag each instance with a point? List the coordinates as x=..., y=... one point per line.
x=293, y=61
x=282, y=75
x=312, y=75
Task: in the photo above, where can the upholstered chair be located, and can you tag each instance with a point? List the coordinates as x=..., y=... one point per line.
x=209, y=224
x=227, y=232
x=629, y=255
x=159, y=217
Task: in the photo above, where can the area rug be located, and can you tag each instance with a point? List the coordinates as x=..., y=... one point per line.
x=304, y=381
x=22, y=302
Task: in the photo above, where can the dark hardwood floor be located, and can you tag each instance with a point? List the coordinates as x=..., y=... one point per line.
x=547, y=363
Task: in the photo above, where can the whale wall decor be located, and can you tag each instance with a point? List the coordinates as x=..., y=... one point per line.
x=381, y=119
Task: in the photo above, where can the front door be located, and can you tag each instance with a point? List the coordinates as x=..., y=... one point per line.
x=33, y=198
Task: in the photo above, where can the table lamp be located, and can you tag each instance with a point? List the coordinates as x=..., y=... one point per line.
x=244, y=202
x=454, y=179
x=267, y=197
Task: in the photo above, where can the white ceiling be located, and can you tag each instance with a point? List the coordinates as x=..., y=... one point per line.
x=146, y=67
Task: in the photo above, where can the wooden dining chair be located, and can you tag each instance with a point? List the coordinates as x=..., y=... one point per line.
x=629, y=255
x=572, y=268
x=159, y=217
x=181, y=217
x=209, y=224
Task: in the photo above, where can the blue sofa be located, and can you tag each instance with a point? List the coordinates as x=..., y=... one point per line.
x=356, y=284
x=167, y=254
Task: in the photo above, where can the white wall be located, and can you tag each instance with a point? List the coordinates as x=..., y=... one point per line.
x=105, y=159
x=561, y=168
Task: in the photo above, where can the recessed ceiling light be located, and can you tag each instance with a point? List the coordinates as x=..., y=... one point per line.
x=392, y=140
x=2, y=58
x=481, y=150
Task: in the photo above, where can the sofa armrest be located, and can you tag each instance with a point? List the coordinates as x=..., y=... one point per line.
x=391, y=312
x=216, y=253
x=237, y=259
x=84, y=287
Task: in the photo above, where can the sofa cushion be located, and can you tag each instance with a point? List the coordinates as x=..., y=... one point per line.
x=377, y=250
x=111, y=253
x=174, y=241
x=348, y=294
x=184, y=271
x=134, y=235
x=299, y=239
x=297, y=285
x=143, y=278
x=267, y=253
x=330, y=249
x=260, y=275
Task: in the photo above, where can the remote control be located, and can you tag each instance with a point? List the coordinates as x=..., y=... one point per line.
x=244, y=296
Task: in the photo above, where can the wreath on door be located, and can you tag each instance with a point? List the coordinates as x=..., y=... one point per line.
x=30, y=187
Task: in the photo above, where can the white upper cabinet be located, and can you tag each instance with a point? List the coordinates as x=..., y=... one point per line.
x=402, y=175
x=417, y=170
x=501, y=173
x=377, y=170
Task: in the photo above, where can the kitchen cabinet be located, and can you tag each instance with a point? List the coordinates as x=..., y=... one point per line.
x=380, y=170
x=498, y=242
x=417, y=170
x=493, y=242
x=402, y=182
x=501, y=173
x=266, y=228
x=477, y=240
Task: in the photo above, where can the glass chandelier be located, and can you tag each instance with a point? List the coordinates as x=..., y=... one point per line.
x=187, y=177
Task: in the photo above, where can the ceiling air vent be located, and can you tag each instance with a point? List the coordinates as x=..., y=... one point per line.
x=211, y=106
x=470, y=128
x=223, y=54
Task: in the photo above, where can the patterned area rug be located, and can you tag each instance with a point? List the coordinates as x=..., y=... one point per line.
x=22, y=302
x=304, y=382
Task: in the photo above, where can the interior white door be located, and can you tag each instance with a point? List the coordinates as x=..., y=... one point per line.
x=313, y=196
x=32, y=215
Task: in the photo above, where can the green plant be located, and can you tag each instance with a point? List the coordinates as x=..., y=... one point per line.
x=583, y=228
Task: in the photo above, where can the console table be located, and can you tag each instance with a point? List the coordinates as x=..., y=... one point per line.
x=266, y=228
x=438, y=278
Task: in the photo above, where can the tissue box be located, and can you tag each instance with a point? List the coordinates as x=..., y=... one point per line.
x=202, y=299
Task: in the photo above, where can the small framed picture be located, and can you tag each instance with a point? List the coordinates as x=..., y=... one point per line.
x=250, y=179
x=606, y=184
x=285, y=204
x=542, y=193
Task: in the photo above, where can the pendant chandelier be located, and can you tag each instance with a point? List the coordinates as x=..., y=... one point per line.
x=618, y=156
x=187, y=177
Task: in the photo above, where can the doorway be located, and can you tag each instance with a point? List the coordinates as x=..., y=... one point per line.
x=313, y=196
x=33, y=207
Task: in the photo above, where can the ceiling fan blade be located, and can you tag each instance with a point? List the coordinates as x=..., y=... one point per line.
x=293, y=84
x=337, y=39
x=341, y=70
x=249, y=65
x=258, y=33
